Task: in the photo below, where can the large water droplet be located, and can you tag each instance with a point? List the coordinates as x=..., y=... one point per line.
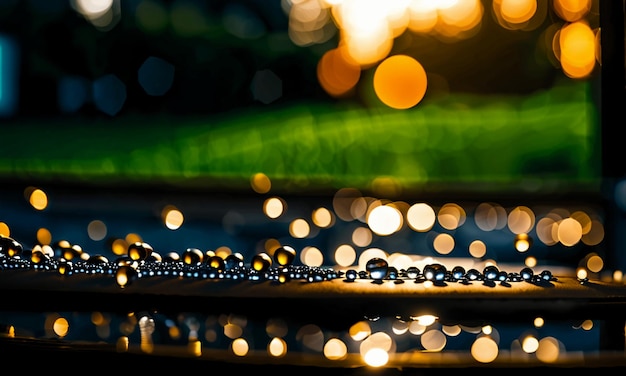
x=377, y=268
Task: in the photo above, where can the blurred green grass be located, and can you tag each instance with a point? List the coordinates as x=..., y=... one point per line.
x=547, y=136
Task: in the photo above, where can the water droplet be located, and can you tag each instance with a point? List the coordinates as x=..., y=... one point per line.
x=285, y=255
x=473, y=275
x=412, y=272
x=526, y=274
x=261, y=262
x=490, y=272
x=139, y=250
x=377, y=268
x=351, y=275
x=125, y=275
x=233, y=261
x=392, y=273
x=546, y=275
x=65, y=267
x=216, y=262
x=502, y=276
x=9, y=246
x=192, y=256
x=458, y=272
x=435, y=272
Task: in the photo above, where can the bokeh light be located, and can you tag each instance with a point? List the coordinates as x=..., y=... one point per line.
x=323, y=217
x=61, y=327
x=549, y=350
x=421, y=217
x=335, y=349
x=345, y=255
x=444, y=243
x=384, y=220
x=484, y=349
x=260, y=183
x=266, y=86
x=109, y=94
x=274, y=207
x=37, y=198
x=172, y=217
x=299, y=228
x=433, y=340
x=277, y=347
x=400, y=82
x=337, y=75
x=156, y=76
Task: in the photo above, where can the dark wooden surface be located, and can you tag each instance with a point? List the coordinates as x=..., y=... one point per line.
x=334, y=304
x=565, y=295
